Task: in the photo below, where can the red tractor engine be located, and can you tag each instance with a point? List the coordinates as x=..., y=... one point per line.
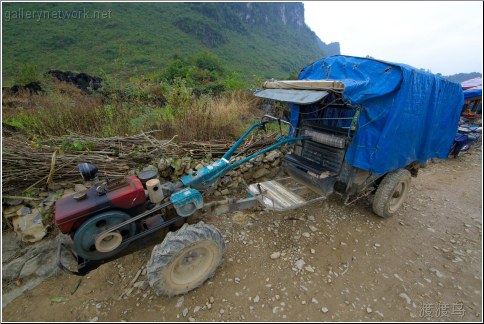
x=87, y=215
x=72, y=211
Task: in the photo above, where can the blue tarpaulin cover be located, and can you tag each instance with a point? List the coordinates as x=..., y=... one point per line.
x=406, y=114
x=473, y=93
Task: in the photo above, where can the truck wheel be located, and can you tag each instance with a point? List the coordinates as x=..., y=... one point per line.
x=185, y=259
x=391, y=192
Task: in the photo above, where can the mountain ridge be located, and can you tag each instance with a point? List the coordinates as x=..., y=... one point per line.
x=253, y=39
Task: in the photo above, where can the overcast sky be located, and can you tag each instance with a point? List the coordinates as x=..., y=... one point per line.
x=445, y=37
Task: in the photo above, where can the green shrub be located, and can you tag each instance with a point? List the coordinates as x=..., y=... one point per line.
x=233, y=82
x=77, y=145
x=28, y=73
x=210, y=62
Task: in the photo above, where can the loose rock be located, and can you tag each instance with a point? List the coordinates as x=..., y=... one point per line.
x=309, y=268
x=180, y=301
x=79, y=187
x=23, y=211
x=260, y=173
x=30, y=227
x=405, y=296
x=275, y=255
x=11, y=211
x=15, y=202
x=300, y=264
x=437, y=272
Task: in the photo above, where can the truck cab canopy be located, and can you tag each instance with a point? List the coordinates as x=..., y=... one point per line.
x=300, y=97
x=404, y=114
x=299, y=92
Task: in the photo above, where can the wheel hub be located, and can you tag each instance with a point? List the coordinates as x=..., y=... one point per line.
x=192, y=265
x=108, y=242
x=397, y=196
x=398, y=191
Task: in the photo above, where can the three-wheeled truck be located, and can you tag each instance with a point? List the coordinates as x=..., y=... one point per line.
x=357, y=126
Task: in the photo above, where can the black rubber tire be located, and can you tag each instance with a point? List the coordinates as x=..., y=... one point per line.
x=384, y=204
x=200, y=244
x=478, y=142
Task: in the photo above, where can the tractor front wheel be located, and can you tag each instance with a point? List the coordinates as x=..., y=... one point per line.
x=185, y=259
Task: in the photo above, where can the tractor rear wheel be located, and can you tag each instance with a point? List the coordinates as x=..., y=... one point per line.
x=391, y=192
x=185, y=259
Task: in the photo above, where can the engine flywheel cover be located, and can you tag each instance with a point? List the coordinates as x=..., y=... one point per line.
x=86, y=238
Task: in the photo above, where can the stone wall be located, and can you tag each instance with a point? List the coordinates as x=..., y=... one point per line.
x=262, y=167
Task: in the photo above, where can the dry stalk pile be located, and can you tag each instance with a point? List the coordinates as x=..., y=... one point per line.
x=28, y=164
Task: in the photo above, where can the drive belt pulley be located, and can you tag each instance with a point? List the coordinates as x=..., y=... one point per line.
x=109, y=232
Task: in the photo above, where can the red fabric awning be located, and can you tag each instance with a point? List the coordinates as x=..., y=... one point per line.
x=471, y=83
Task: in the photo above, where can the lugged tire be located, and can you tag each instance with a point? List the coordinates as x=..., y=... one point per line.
x=185, y=259
x=384, y=204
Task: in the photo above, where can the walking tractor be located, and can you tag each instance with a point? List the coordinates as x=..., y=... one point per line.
x=358, y=127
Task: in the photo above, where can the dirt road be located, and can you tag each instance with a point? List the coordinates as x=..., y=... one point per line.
x=423, y=264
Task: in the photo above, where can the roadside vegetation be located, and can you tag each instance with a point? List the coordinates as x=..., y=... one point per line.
x=195, y=99
x=191, y=111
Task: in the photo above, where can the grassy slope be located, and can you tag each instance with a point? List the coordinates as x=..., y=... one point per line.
x=142, y=38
